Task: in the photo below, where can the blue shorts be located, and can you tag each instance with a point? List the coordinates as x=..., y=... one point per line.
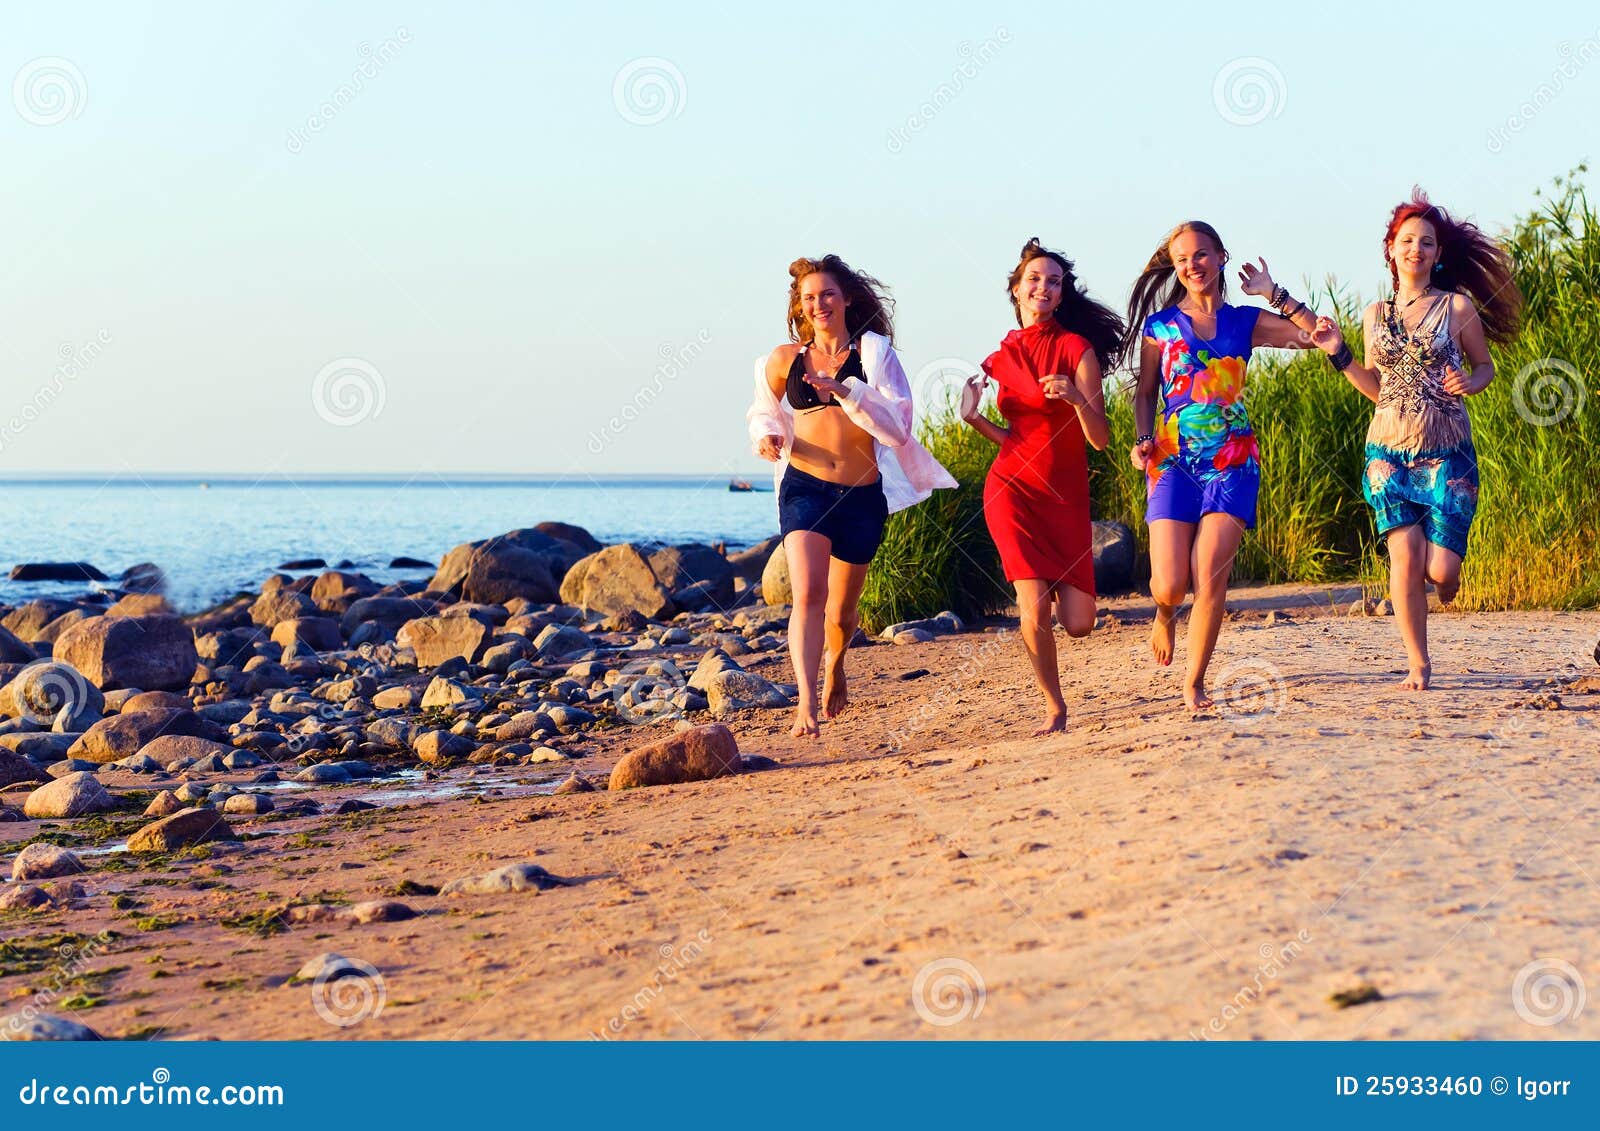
x=1437, y=491
x=1187, y=489
x=852, y=518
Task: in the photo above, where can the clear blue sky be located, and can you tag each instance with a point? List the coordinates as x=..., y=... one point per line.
x=483, y=228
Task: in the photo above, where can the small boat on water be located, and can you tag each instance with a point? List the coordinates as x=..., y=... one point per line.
x=740, y=485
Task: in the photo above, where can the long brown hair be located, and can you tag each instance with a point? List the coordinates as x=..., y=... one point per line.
x=1077, y=312
x=870, y=307
x=1148, y=296
x=1468, y=261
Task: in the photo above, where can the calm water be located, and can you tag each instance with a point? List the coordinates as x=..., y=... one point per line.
x=214, y=541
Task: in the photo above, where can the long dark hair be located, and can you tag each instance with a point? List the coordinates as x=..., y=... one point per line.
x=1469, y=261
x=870, y=307
x=1077, y=312
x=1148, y=297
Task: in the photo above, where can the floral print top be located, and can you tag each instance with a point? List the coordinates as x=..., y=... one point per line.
x=1202, y=419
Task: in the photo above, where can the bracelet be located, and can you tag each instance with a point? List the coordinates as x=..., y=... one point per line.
x=1343, y=358
x=1147, y=438
x=1279, y=297
x=1298, y=307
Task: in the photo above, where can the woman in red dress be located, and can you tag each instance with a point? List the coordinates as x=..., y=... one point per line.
x=1036, y=499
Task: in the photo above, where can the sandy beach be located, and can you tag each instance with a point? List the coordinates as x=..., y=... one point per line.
x=928, y=871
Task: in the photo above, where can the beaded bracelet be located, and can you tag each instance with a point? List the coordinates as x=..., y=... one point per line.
x=1342, y=358
x=1279, y=296
x=1147, y=438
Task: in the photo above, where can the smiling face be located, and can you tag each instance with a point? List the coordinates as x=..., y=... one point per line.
x=1038, y=291
x=823, y=304
x=1415, y=248
x=1197, y=260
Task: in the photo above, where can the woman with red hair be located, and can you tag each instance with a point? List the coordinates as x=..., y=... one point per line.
x=1426, y=351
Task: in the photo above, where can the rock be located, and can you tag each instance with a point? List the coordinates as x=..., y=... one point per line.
x=154, y=653
x=565, y=532
x=519, y=563
x=23, y=897
x=344, y=690
x=712, y=663
x=168, y=748
x=71, y=766
x=616, y=578
x=577, y=783
x=912, y=636
x=14, y=651
x=403, y=562
x=154, y=701
x=146, y=577
x=390, y=612
x=542, y=755
x=74, y=795
x=524, y=725
x=15, y=768
x=568, y=719
x=140, y=605
x=754, y=762
x=323, y=773
x=704, y=597
x=46, y=1027
x=696, y=754
x=448, y=693
x=436, y=639
x=191, y=791
x=697, y=570
x=738, y=690
x=41, y=861
x=329, y=967
x=558, y=640
x=320, y=634
x=391, y=734
x=121, y=736
x=28, y=618
x=626, y=620
x=775, y=586
x=44, y=688
x=248, y=804
x=749, y=564
x=440, y=747
x=56, y=571
x=500, y=658
x=304, y=563
x=190, y=826
x=50, y=633
x=512, y=877
x=164, y=804
x=230, y=646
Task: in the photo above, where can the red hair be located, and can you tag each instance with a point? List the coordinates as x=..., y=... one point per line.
x=1468, y=261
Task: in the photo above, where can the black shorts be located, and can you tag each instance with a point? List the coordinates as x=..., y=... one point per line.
x=851, y=517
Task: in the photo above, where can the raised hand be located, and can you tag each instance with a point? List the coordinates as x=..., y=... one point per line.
x=1059, y=388
x=972, y=396
x=826, y=385
x=770, y=448
x=1459, y=384
x=1327, y=336
x=1256, y=280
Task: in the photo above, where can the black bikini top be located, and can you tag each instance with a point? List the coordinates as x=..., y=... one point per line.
x=803, y=397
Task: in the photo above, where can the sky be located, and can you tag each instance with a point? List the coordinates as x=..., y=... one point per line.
x=551, y=239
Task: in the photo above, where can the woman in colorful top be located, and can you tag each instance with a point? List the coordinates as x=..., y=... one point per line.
x=1199, y=456
x=1453, y=293
x=832, y=409
x=1036, y=499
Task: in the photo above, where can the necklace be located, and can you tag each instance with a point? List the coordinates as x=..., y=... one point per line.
x=832, y=356
x=1397, y=320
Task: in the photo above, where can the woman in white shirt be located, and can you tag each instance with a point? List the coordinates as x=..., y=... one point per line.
x=832, y=409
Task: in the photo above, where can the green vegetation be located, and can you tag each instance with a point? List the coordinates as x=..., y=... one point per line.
x=1535, y=430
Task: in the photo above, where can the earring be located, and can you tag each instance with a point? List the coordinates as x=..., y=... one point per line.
x=1438, y=267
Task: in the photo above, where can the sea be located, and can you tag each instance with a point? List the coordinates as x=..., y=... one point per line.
x=214, y=537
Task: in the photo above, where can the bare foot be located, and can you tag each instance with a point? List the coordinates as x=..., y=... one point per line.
x=1447, y=591
x=1055, y=722
x=1163, y=636
x=1418, y=679
x=805, y=724
x=834, y=694
x=1194, y=694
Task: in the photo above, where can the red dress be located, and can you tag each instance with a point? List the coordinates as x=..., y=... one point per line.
x=1036, y=499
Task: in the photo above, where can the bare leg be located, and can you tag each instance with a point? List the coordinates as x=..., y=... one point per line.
x=1214, y=548
x=1036, y=604
x=1444, y=570
x=808, y=576
x=1170, y=545
x=1408, y=552
x=1075, y=610
x=844, y=614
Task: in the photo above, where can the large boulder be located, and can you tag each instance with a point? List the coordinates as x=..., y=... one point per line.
x=46, y=639
x=775, y=586
x=41, y=690
x=280, y=604
x=336, y=590
x=14, y=650
x=1113, y=557
x=390, y=612
x=152, y=653
x=519, y=563
x=169, y=748
x=56, y=571
x=437, y=639
x=27, y=619
x=566, y=532
x=140, y=605
x=190, y=826
x=121, y=736
x=691, y=755
x=733, y=689
x=41, y=861
x=320, y=634
x=70, y=795
x=694, y=569
x=749, y=563
x=15, y=768
x=615, y=579
x=230, y=645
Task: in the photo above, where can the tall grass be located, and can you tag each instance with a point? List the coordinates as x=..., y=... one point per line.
x=1536, y=430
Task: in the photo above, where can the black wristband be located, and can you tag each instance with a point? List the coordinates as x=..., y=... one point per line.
x=1343, y=358
x=1147, y=438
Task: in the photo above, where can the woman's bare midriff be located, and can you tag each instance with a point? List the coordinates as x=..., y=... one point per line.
x=828, y=445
